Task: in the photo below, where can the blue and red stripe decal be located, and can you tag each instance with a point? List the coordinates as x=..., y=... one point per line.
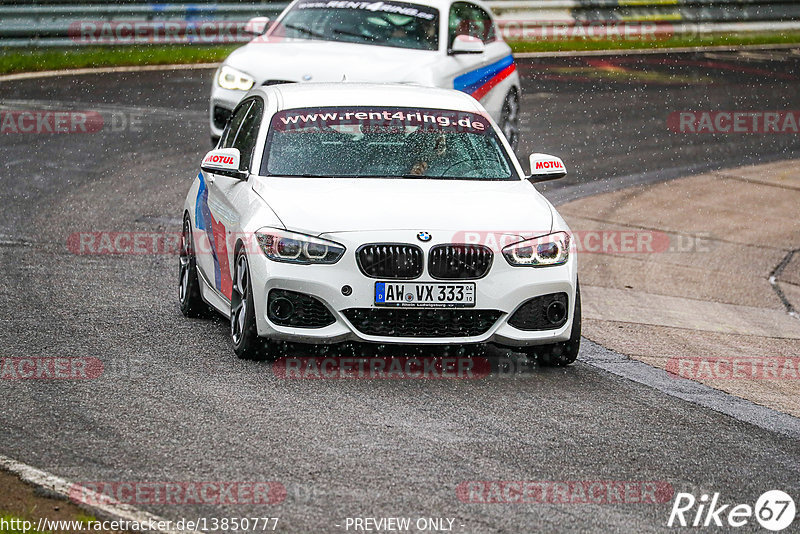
x=480, y=81
x=216, y=235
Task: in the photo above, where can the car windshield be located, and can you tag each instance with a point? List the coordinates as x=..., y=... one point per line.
x=372, y=142
x=396, y=24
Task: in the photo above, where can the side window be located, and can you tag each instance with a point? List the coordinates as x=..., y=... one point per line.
x=469, y=19
x=232, y=129
x=245, y=139
x=489, y=32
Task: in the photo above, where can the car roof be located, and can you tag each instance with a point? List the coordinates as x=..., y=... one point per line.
x=311, y=94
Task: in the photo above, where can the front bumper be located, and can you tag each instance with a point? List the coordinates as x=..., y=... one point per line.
x=504, y=289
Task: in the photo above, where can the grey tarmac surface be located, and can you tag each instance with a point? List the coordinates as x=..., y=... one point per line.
x=175, y=405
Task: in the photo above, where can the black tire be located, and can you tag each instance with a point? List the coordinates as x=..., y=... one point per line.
x=246, y=343
x=509, y=122
x=192, y=303
x=563, y=353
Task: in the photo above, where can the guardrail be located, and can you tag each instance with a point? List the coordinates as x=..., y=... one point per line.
x=60, y=23
x=686, y=11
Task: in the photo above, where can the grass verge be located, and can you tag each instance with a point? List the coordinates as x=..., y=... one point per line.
x=22, y=506
x=14, y=60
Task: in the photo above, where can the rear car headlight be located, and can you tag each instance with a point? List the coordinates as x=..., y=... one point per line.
x=230, y=78
x=544, y=251
x=289, y=247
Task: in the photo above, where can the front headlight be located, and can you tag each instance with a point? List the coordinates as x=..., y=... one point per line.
x=281, y=245
x=544, y=251
x=230, y=78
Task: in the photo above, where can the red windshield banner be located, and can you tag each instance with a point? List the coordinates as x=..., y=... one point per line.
x=379, y=120
x=395, y=8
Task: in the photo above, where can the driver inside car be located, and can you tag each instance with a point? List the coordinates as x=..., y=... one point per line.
x=427, y=154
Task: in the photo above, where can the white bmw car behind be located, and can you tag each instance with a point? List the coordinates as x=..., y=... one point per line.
x=435, y=43
x=377, y=213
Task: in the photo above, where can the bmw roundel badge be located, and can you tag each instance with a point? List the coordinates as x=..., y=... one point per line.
x=424, y=236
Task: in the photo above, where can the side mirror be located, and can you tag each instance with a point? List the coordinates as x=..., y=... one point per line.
x=545, y=167
x=224, y=161
x=256, y=25
x=464, y=44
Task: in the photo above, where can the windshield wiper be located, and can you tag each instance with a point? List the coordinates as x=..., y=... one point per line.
x=389, y=176
x=306, y=31
x=310, y=175
x=303, y=175
x=385, y=176
x=351, y=34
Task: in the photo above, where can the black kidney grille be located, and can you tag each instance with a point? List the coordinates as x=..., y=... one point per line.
x=423, y=322
x=459, y=262
x=397, y=261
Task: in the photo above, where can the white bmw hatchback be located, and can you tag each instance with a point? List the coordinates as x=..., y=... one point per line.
x=435, y=43
x=377, y=213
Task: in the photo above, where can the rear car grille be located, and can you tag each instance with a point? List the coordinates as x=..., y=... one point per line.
x=290, y=308
x=422, y=322
x=459, y=262
x=547, y=312
x=393, y=261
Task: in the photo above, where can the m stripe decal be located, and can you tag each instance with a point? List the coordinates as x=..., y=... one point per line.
x=480, y=81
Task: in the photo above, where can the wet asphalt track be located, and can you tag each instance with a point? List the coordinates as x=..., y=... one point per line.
x=175, y=404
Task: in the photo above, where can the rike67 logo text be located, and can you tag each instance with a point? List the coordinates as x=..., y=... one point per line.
x=774, y=510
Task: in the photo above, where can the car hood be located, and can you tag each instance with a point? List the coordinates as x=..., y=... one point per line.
x=318, y=206
x=300, y=60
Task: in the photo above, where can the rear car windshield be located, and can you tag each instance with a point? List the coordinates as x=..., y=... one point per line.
x=396, y=24
x=372, y=142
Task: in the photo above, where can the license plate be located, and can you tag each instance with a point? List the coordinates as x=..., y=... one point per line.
x=425, y=294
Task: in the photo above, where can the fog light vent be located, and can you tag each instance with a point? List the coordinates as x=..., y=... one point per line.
x=290, y=308
x=547, y=312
